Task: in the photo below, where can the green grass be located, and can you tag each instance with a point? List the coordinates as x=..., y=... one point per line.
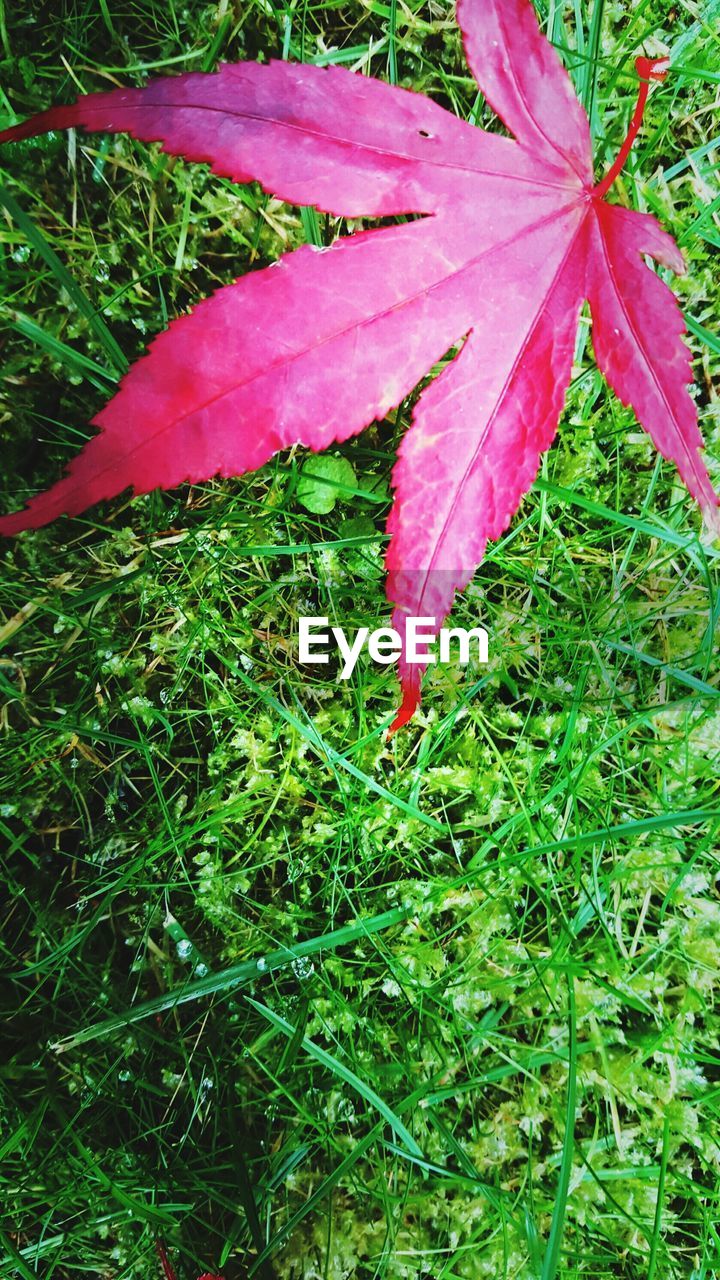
x=299, y=1002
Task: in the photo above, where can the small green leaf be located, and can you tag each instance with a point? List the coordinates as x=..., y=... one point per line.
x=324, y=480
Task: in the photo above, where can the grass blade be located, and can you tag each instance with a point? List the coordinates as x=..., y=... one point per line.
x=657, y=1224
x=34, y=236
x=343, y=1073
x=230, y=980
x=552, y=1253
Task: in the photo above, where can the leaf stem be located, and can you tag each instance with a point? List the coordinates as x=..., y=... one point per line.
x=648, y=69
x=168, y=1271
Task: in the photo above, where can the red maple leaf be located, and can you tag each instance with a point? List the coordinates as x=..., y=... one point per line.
x=516, y=235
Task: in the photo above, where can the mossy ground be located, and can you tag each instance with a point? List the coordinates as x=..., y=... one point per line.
x=509, y=1067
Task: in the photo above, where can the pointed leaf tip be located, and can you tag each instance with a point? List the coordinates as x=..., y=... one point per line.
x=408, y=706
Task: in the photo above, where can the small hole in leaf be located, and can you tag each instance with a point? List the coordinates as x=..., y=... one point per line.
x=424, y=133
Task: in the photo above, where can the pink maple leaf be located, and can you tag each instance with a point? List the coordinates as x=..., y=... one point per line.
x=516, y=235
